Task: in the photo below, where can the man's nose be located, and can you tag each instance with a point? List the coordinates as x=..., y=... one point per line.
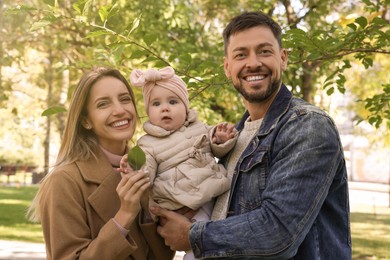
x=253, y=61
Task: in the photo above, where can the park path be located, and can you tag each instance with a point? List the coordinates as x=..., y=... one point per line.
x=10, y=250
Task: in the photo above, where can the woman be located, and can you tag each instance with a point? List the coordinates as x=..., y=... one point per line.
x=87, y=210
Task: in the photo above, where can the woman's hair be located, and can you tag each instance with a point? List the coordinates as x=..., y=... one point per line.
x=79, y=143
x=248, y=20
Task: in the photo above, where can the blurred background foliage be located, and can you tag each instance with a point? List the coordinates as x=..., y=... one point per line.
x=45, y=45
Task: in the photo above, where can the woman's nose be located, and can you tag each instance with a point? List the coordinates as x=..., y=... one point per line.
x=118, y=108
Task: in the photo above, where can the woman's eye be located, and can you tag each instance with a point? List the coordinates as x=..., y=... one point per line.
x=126, y=99
x=102, y=104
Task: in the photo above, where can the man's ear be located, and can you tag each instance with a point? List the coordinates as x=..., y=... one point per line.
x=226, y=67
x=284, y=58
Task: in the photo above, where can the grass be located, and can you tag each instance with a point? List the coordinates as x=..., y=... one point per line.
x=370, y=233
x=370, y=226
x=14, y=202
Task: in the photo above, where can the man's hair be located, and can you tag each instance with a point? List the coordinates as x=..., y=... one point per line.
x=249, y=20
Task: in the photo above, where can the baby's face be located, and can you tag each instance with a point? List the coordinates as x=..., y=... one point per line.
x=166, y=109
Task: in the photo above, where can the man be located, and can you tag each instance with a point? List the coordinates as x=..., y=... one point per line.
x=289, y=193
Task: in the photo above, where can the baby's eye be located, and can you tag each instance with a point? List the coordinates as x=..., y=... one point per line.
x=173, y=102
x=155, y=103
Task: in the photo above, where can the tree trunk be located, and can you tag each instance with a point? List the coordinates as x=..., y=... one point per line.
x=307, y=80
x=63, y=97
x=307, y=83
x=49, y=81
x=1, y=43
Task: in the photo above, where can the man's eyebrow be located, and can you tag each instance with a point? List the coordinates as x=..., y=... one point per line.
x=239, y=49
x=261, y=45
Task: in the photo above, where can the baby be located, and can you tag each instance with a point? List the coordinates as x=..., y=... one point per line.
x=180, y=150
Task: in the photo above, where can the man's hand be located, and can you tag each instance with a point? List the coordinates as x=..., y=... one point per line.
x=175, y=228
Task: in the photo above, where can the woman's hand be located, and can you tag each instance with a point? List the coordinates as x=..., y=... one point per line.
x=130, y=190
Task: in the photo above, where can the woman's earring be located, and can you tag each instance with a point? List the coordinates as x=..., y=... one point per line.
x=87, y=126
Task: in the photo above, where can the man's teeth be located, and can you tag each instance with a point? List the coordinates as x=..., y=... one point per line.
x=254, y=78
x=119, y=123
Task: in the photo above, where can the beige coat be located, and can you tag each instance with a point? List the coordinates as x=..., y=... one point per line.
x=77, y=205
x=182, y=164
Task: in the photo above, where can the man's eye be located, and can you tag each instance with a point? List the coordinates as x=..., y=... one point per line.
x=239, y=56
x=264, y=52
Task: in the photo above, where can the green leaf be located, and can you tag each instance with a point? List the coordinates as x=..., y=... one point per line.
x=314, y=55
x=137, y=54
x=362, y=21
x=103, y=13
x=297, y=32
x=53, y=110
x=97, y=33
x=347, y=64
x=87, y=7
x=135, y=24
x=149, y=39
x=341, y=89
x=368, y=2
x=368, y=62
x=186, y=58
x=150, y=59
x=77, y=8
x=51, y=2
x=18, y=9
x=341, y=80
x=379, y=21
x=352, y=26
x=39, y=25
x=136, y=158
x=330, y=91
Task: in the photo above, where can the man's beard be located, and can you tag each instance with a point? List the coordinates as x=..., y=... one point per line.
x=259, y=97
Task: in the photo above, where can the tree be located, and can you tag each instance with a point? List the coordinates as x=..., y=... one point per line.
x=182, y=36
x=321, y=38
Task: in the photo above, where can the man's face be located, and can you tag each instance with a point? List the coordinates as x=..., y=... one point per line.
x=254, y=62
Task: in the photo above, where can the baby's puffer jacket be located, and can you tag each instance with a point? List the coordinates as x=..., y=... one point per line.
x=182, y=164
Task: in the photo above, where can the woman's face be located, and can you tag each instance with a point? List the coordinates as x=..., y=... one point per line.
x=111, y=114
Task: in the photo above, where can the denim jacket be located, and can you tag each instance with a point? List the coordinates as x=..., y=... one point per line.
x=289, y=193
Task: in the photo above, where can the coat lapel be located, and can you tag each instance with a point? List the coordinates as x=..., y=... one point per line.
x=103, y=199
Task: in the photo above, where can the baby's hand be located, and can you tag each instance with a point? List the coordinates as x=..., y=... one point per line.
x=224, y=132
x=124, y=166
